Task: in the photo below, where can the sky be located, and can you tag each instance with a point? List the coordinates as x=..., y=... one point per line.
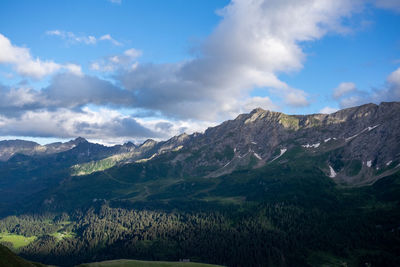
x=114, y=71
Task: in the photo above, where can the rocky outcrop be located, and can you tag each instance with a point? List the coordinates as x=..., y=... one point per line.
x=368, y=134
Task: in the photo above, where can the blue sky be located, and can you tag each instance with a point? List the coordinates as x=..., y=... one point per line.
x=113, y=71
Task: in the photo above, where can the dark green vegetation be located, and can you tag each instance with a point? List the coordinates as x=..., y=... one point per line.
x=9, y=259
x=288, y=213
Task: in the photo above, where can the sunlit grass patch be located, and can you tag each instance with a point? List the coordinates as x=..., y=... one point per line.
x=18, y=241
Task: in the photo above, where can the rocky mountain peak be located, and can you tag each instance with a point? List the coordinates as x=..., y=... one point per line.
x=257, y=110
x=148, y=143
x=129, y=144
x=80, y=140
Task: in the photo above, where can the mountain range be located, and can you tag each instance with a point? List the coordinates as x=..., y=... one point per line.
x=364, y=137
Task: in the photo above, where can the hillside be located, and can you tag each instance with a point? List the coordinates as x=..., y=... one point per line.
x=9, y=259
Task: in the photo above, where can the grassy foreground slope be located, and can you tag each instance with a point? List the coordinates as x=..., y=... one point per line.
x=135, y=263
x=9, y=259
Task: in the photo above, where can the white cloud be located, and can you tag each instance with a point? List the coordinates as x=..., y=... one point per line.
x=389, y=92
x=328, y=110
x=394, y=78
x=354, y=100
x=25, y=64
x=109, y=38
x=20, y=97
x=75, y=69
x=295, y=98
x=392, y=93
x=255, y=42
x=66, y=90
x=258, y=102
x=343, y=89
x=169, y=128
x=133, y=53
x=72, y=38
x=126, y=61
x=103, y=123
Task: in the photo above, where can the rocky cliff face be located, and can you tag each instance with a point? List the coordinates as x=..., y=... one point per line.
x=360, y=143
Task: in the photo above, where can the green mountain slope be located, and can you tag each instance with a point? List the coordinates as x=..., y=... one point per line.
x=9, y=259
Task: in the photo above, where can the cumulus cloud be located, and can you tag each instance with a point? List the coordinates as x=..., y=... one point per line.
x=108, y=37
x=104, y=124
x=261, y=102
x=343, y=89
x=66, y=90
x=72, y=38
x=23, y=62
x=255, y=41
x=328, y=110
x=126, y=61
x=168, y=128
x=15, y=101
x=389, y=92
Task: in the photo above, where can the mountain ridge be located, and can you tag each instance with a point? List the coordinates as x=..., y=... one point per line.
x=368, y=134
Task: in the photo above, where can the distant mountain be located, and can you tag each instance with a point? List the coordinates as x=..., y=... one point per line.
x=9, y=148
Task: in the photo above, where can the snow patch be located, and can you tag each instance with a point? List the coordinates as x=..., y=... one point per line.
x=373, y=127
x=283, y=150
x=389, y=162
x=227, y=164
x=254, y=143
x=239, y=156
x=234, y=150
x=332, y=172
x=310, y=146
x=257, y=156
x=327, y=140
x=351, y=137
x=370, y=128
x=369, y=163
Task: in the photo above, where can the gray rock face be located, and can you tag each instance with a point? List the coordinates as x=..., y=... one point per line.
x=368, y=135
